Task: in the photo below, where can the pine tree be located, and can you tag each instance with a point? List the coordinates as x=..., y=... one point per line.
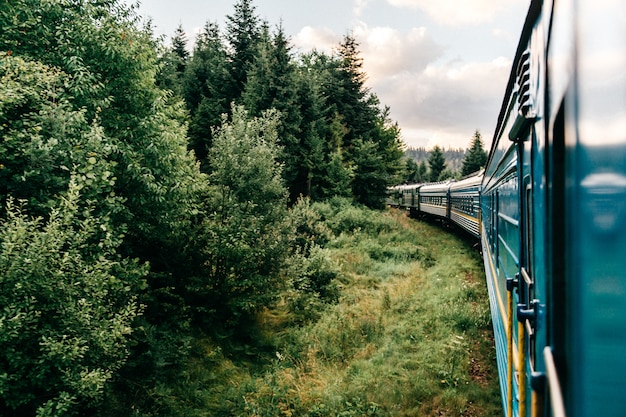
x=476, y=157
x=274, y=82
x=206, y=88
x=436, y=162
x=347, y=95
x=179, y=47
x=422, y=172
x=172, y=62
x=243, y=33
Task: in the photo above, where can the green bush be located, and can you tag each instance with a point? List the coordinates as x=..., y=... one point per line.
x=342, y=216
x=67, y=303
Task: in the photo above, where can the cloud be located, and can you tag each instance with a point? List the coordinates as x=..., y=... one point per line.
x=321, y=39
x=434, y=99
x=388, y=51
x=446, y=102
x=454, y=12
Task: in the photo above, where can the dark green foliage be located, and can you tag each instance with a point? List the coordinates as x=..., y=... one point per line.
x=357, y=125
x=437, y=163
x=454, y=157
x=476, y=157
x=370, y=182
x=243, y=33
x=272, y=84
x=206, y=88
x=348, y=96
x=415, y=173
x=172, y=62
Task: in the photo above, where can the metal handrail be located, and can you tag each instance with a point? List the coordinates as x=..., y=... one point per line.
x=556, y=396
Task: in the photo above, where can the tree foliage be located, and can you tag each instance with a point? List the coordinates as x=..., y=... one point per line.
x=121, y=248
x=437, y=163
x=476, y=157
x=67, y=302
x=249, y=229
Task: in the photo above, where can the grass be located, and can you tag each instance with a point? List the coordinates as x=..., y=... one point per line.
x=410, y=335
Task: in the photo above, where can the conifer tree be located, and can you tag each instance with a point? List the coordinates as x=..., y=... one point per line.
x=206, y=87
x=179, y=47
x=347, y=95
x=422, y=172
x=476, y=157
x=436, y=162
x=274, y=82
x=243, y=33
x=173, y=61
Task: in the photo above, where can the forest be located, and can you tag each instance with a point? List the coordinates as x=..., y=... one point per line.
x=156, y=194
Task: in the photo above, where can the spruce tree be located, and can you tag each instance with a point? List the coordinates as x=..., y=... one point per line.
x=274, y=82
x=347, y=94
x=172, y=62
x=476, y=157
x=243, y=33
x=179, y=47
x=206, y=88
x=436, y=162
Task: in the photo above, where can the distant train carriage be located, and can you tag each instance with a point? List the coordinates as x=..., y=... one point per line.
x=433, y=198
x=465, y=203
x=409, y=196
x=394, y=196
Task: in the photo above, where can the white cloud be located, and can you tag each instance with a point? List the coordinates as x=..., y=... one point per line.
x=445, y=103
x=388, y=51
x=454, y=12
x=321, y=39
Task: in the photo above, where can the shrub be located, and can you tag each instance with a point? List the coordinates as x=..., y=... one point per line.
x=66, y=307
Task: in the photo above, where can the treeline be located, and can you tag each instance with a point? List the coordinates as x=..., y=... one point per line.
x=335, y=137
x=454, y=157
x=439, y=165
x=151, y=197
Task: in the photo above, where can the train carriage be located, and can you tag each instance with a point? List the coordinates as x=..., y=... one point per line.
x=433, y=199
x=465, y=203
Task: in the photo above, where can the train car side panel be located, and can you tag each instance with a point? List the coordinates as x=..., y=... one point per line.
x=465, y=203
x=433, y=199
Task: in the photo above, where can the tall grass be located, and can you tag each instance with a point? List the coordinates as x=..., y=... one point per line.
x=410, y=334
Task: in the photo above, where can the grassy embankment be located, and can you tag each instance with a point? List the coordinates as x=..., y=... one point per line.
x=409, y=336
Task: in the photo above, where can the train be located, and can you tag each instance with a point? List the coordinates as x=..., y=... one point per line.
x=549, y=209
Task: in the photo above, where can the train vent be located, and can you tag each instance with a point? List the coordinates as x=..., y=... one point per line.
x=525, y=98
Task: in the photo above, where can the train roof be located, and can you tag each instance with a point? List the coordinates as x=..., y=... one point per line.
x=436, y=186
x=474, y=179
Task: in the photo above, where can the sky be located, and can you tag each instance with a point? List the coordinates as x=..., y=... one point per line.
x=440, y=65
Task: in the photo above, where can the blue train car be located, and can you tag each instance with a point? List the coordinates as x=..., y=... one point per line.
x=465, y=203
x=554, y=214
